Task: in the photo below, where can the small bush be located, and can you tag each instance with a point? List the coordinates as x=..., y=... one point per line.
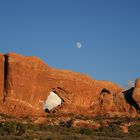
x=14, y=128
x=134, y=130
x=66, y=124
x=42, y=127
x=6, y=115
x=30, y=126
x=86, y=131
x=20, y=129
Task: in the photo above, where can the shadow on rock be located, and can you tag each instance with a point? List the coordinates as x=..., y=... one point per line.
x=129, y=99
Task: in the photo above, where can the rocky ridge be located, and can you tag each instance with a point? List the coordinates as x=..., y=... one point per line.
x=25, y=84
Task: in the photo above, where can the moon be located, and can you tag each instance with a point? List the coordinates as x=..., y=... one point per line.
x=79, y=45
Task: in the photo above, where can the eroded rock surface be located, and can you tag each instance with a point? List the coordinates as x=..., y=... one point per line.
x=136, y=93
x=26, y=82
x=1, y=75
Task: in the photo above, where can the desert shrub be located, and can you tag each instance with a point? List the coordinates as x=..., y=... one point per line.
x=20, y=129
x=134, y=130
x=44, y=127
x=8, y=128
x=6, y=115
x=119, y=120
x=66, y=124
x=62, y=123
x=82, y=117
x=99, y=118
x=113, y=130
x=14, y=128
x=30, y=126
x=86, y=131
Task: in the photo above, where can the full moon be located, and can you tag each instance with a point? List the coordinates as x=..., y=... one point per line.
x=79, y=45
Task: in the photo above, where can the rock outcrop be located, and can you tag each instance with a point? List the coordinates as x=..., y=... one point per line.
x=26, y=82
x=1, y=75
x=136, y=93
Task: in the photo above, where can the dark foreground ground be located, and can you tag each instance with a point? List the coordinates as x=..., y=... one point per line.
x=14, y=129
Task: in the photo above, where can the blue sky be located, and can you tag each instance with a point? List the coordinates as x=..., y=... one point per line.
x=109, y=31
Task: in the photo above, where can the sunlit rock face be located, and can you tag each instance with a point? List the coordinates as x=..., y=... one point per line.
x=52, y=101
x=26, y=82
x=1, y=74
x=136, y=93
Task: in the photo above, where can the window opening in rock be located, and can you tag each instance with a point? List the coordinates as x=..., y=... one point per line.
x=105, y=91
x=52, y=101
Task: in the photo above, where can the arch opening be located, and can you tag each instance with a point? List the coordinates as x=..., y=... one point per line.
x=52, y=101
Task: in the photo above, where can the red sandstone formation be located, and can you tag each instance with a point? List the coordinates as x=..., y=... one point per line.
x=136, y=93
x=26, y=82
x=1, y=75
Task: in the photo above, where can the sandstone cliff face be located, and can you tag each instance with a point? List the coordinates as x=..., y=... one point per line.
x=26, y=82
x=136, y=93
x=1, y=74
